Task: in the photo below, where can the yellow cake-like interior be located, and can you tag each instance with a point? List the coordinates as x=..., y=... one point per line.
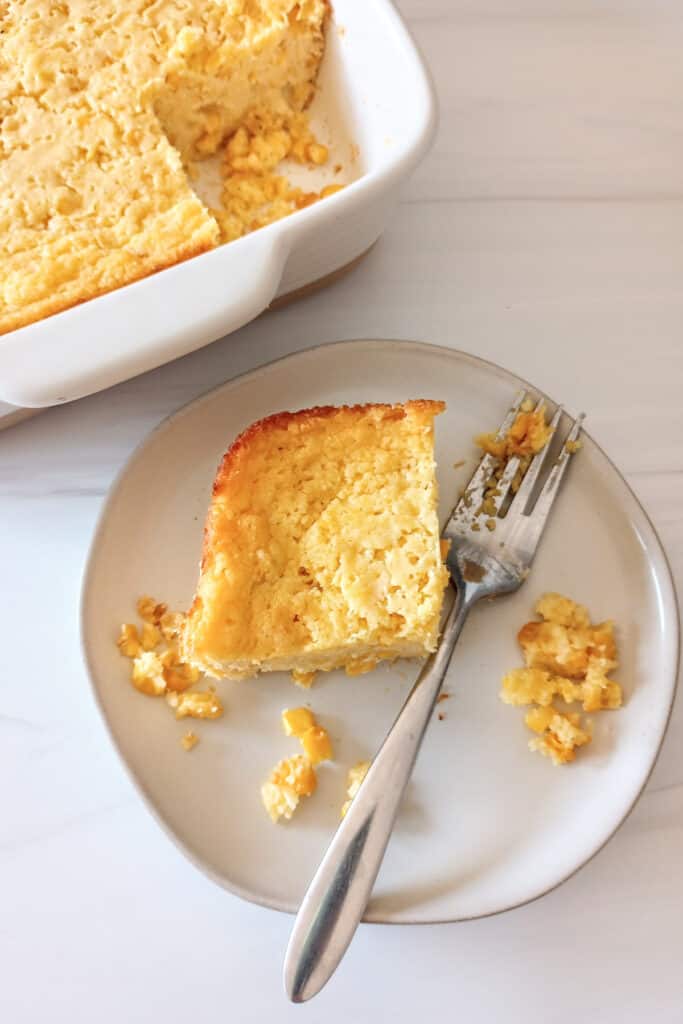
x=105, y=104
x=321, y=544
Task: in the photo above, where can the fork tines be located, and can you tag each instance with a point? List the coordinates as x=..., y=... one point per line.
x=489, y=490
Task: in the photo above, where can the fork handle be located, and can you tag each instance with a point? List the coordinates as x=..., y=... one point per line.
x=339, y=893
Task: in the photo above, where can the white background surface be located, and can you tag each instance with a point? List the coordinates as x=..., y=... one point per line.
x=545, y=231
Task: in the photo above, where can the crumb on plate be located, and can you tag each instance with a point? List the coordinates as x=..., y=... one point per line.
x=315, y=740
x=156, y=665
x=290, y=779
x=197, y=704
x=567, y=658
x=147, y=674
x=317, y=744
x=353, y=783
x=295, y=721
x=189, y=741
x=560, y=734
x=303, y=679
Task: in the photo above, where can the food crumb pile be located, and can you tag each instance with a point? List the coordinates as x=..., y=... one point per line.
x=157, y=670
x=569, y=659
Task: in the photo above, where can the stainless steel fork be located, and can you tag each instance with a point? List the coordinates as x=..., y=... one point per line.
x=492, y=548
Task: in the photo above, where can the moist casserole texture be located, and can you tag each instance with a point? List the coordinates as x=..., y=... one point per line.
x=104, y=104
x=321, y=545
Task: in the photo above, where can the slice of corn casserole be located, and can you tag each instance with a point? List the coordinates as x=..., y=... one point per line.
x=321, y=545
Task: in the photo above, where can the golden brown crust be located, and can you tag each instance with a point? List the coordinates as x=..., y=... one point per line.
x=283, y=420
x=58, y=304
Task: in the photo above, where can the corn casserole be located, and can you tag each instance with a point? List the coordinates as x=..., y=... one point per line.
x=321, y=545
x=105, y=107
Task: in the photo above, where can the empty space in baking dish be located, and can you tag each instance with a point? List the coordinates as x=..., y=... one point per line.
x=332, y=125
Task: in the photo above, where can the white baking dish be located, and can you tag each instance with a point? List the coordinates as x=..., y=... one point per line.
x=375, y=98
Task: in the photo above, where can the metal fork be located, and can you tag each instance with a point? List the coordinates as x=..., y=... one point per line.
x=490, y=554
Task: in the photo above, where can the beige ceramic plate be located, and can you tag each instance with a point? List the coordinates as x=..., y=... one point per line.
x=486, y=825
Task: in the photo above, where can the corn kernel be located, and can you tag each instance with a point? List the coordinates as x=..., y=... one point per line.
x=176, y=679
x=330, y=190
x=170, y=624
x=360, y=666
x=299, y=150
x=303, y=679
x=198, y=705
x=538, y=719
x=148, y=674
x=238, y=145
x=189, y=741
x=128, y=641
x=295, y=721
x=151, y=636
x=178, y=674
x=559, y=734
x=355, y=778
x=304, y=199
x=169, y=657
x=316, y=744
x=317, y=153
x=150, y=610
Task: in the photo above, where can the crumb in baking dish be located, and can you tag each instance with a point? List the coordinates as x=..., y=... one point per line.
x=254, y=194
x=321, y=545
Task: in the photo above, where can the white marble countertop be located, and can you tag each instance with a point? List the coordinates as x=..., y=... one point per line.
x=544, y=231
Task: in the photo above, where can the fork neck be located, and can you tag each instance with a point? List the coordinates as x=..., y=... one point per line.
x=465, y=596
x=467, y=592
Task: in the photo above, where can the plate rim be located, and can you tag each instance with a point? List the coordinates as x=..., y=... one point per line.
x=664, y=577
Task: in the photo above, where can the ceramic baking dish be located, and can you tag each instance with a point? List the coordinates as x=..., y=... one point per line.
x=375, y=104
